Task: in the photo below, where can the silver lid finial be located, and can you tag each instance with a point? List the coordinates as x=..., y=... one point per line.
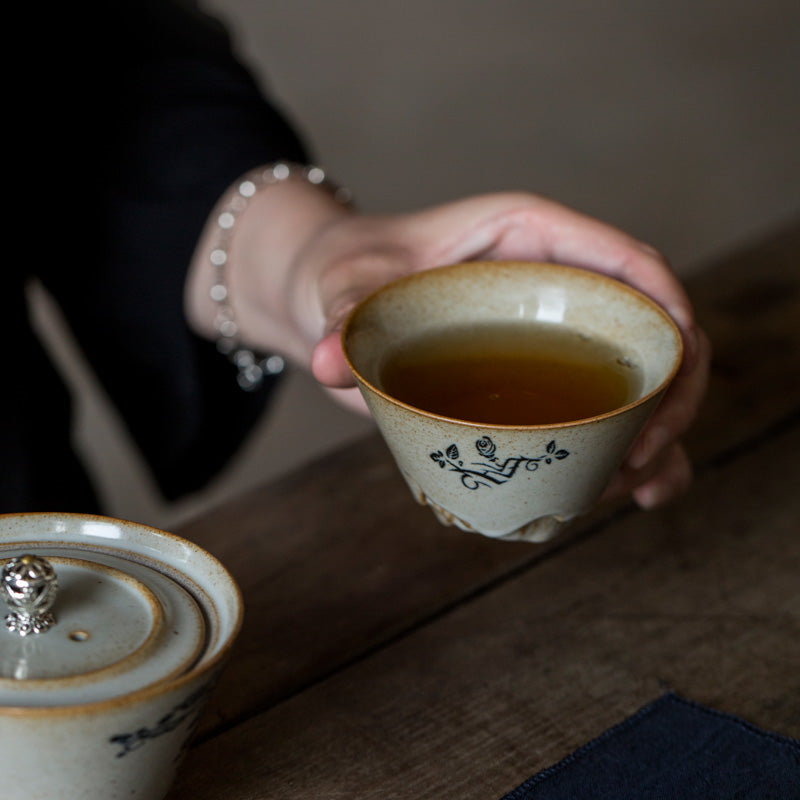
x=29, y=586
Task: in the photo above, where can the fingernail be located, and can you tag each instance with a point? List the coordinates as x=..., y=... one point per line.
x=651, y=251
x=649, y=496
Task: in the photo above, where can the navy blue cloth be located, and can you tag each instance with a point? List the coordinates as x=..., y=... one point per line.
x=674, y=749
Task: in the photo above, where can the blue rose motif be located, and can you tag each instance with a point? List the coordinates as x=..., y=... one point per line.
x=486, y=447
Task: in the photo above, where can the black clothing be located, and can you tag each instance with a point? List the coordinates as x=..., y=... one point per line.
x=152, y=118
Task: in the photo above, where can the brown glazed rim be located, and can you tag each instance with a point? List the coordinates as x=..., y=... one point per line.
x=533, y=266
x=164, y=686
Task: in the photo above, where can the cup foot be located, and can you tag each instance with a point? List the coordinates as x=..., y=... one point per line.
x=537, y=531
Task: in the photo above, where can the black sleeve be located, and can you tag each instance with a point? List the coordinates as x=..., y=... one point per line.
x=158, y=123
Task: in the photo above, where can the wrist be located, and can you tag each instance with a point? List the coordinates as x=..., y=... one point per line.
x=246, y=287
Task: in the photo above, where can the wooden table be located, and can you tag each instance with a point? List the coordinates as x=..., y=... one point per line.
x=384, y=655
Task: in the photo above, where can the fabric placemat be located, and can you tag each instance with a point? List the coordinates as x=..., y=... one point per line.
x=676, y=749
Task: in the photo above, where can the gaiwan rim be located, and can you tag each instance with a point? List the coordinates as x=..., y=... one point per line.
x=162, y=686
x=533, y=267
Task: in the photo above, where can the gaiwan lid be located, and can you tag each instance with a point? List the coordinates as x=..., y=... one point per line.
x=98, y=608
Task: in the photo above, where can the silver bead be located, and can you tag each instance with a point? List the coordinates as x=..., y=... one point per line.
x=226, y=220
x=247, y=188
x=315, y=175
x=218, y=292
x=281, y=171
x=250, y=377
x=244, y=358
x=251, y=372
x=218, y=257
x=228, y=328
x=272, y=365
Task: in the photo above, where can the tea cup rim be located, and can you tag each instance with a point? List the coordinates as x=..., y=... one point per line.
x=539, y=266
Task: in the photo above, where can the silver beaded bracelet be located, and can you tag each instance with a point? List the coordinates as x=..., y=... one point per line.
x=251, y=368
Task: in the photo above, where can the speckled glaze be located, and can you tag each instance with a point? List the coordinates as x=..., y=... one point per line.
x=102, y=705
x=511, y=482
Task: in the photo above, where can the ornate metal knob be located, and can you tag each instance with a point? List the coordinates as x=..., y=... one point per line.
x=29, y=586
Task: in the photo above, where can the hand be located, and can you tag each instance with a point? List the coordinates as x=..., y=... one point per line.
x=362, y=254
x=300, y=263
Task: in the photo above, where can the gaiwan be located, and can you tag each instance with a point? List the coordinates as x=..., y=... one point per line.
x=113, y=637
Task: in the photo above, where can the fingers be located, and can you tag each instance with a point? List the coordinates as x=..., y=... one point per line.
x=349, y=279
x=672, y=479
x=574, y=239
x=657, y=469
x=522, y=226
x=360, y=255
x=328, y=364
x=352, y=276
x=662, y=479
x=677, y=409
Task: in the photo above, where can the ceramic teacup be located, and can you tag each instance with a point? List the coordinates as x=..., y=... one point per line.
x=511, y=481
x=113, y=638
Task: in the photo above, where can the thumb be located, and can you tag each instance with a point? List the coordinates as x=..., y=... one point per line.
x=345, y=282
x=328, y=364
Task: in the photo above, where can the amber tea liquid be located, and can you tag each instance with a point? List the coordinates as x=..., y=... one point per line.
x=510, y=374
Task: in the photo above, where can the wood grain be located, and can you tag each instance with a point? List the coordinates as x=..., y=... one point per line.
x=749, y=304
x=703, y=597
x=381, y=642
